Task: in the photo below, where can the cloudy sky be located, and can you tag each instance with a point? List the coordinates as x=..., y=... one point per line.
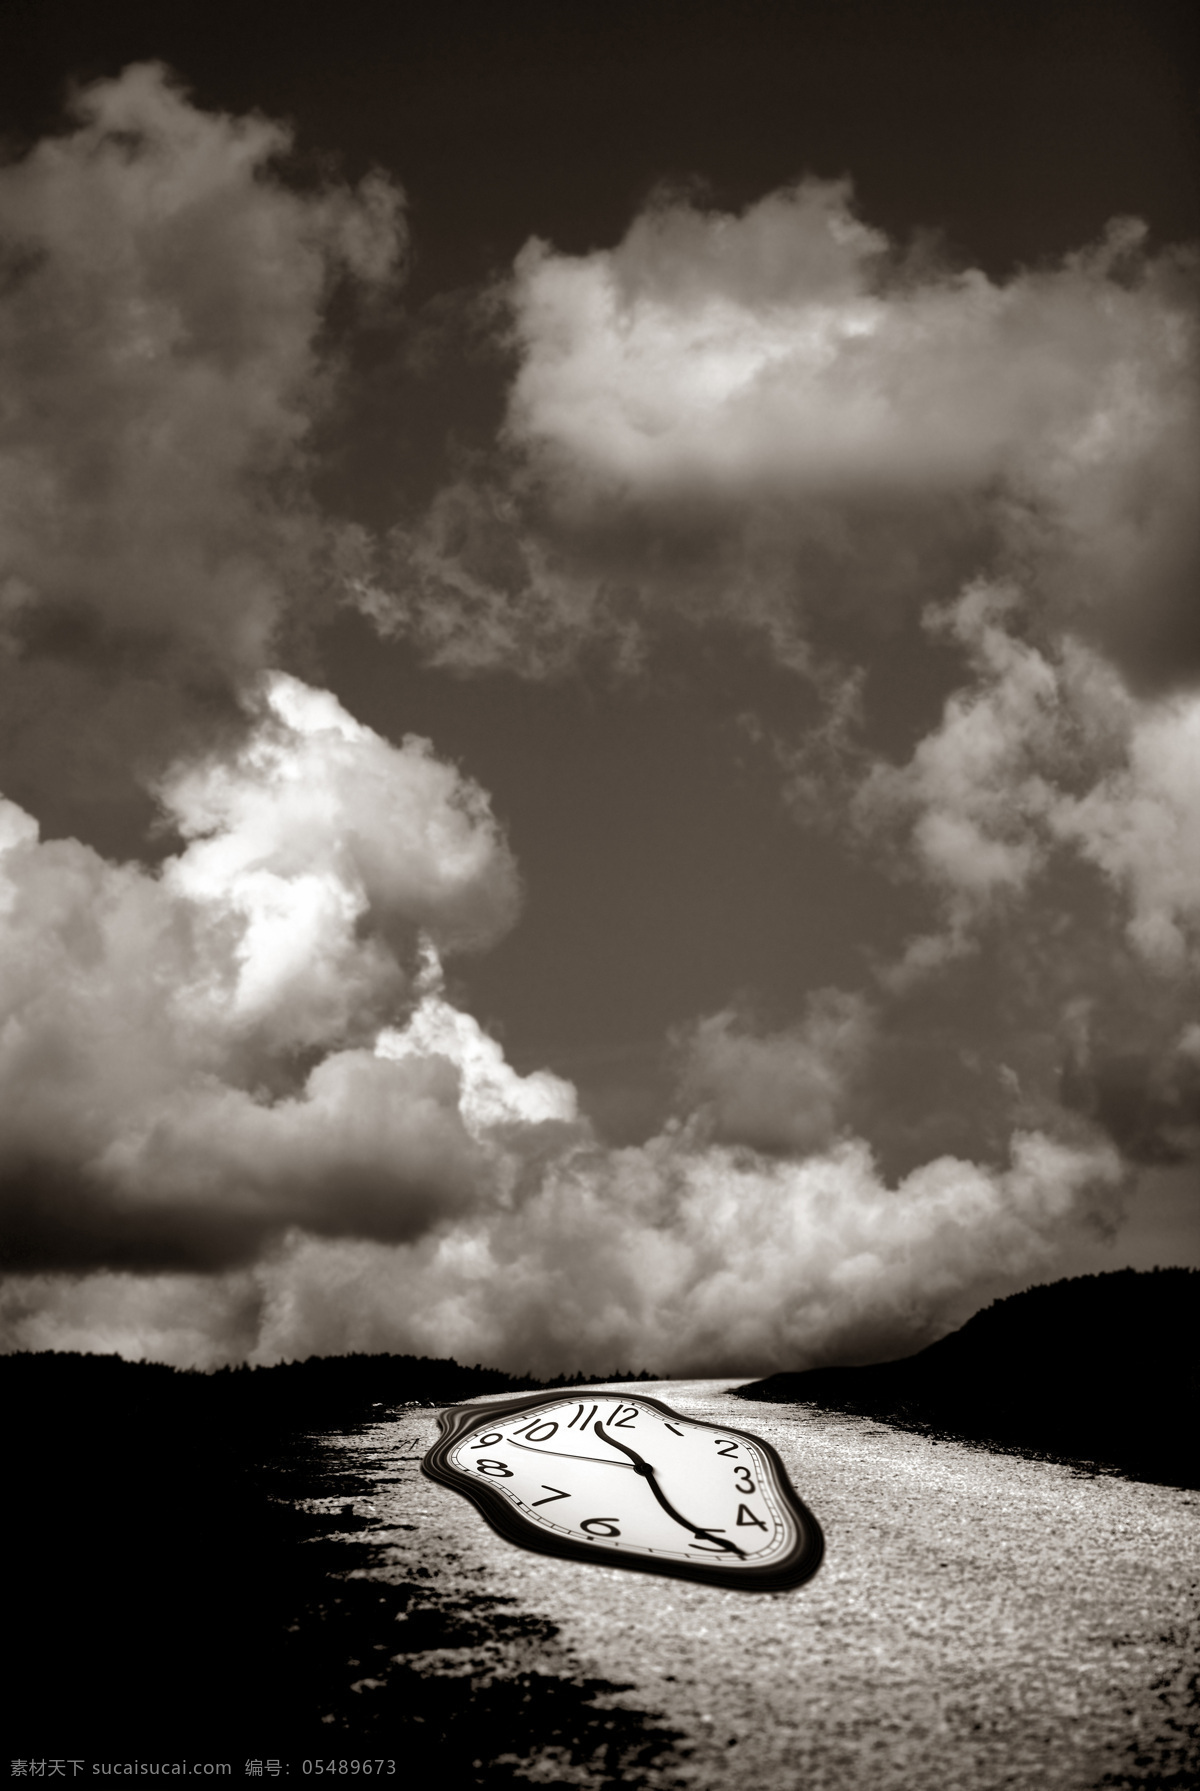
x=600, y=672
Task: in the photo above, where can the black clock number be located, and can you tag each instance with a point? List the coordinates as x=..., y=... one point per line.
x=493, y=1436
x=619, y=1423
x=600, y=1526
x=537, y=1432
x=554, y=1494
x=496, y=1469
x=740, y=1474
x=725, y=1447
x=678, y=1432
x=579, y=1415
x=746, y=1516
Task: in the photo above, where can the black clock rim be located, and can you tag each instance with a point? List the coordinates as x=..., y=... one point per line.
x=782, y=1576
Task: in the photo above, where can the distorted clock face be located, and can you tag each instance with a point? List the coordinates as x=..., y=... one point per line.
x=628, y=1482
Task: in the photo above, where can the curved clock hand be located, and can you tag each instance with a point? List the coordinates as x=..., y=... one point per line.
x=647, y=1473
x=605, y=1461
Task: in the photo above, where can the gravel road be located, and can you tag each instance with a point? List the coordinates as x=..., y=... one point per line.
x=980, y=1621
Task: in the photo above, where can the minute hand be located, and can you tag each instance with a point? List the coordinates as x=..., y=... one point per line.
x=643, y=1467
x=566, y=1455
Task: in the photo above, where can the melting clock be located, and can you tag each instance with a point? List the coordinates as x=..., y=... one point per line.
x=628, y=1482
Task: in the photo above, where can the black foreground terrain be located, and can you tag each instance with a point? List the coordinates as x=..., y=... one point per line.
x=168, y=1594
x=169, y=1599
x=1103, y=1370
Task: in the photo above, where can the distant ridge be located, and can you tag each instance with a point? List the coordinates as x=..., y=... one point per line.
x=288, y=1395
x=1102, y=1370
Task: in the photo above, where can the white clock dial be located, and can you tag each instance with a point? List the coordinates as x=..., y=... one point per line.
x=629, y=1481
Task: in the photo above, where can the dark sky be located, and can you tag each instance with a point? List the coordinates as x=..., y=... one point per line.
x=694, y=666
x=1013, y=130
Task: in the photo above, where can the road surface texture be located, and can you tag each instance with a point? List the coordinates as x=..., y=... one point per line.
x=980, y=1621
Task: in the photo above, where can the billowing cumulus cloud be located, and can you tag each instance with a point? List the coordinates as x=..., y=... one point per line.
x=786, y=348
x=160, y=313
x=1044, y=751
x=241, y=1115
x=1140, y=824
x=708, y=1260
x=1051, y=818
x=756, y=416
x=214, y=1130
x=189, y=1062
x=978, y=798
x=783, y=1091
x=684, y=1255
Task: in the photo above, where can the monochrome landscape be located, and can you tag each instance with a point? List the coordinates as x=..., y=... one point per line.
x=600, y=777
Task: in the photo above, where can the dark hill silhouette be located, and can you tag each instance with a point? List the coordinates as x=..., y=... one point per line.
x=291, y=1395
x=1102, y=1370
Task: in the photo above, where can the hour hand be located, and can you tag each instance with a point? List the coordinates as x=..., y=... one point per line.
x=642, y=1467
x=639, y=1462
